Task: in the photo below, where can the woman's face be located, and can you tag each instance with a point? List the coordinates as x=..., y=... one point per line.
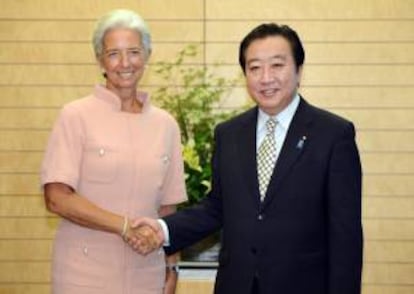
x=123, y=59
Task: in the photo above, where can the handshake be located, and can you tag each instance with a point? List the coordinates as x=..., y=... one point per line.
x=144, y=235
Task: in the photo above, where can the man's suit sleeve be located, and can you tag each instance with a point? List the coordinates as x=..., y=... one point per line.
x=194, y=223
x=344, y=216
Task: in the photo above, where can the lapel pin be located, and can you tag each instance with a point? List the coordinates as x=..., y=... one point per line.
x=301, y=142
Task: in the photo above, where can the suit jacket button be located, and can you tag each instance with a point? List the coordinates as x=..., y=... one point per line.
x=260, y=217
x=253, y=250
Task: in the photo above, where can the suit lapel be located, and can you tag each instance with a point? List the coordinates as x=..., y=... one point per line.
x=294, y=145
x=246, y=146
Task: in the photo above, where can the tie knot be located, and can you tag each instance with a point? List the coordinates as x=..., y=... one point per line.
x=270, y=125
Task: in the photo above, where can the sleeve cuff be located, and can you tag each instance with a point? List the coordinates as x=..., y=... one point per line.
x=165, y=231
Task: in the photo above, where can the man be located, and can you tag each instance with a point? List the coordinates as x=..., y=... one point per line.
x=286, y=187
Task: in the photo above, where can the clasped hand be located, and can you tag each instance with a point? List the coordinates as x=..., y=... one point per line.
x=144, y=235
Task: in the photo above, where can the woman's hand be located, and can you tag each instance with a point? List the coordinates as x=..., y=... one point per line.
x=144, y=235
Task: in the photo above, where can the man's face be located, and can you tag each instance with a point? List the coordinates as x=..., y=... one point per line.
x=271, y=75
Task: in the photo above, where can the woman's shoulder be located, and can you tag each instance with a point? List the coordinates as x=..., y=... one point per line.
x=162, y=115
x=76, y=108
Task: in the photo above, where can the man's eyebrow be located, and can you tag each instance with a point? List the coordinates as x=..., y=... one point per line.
x=277, y=56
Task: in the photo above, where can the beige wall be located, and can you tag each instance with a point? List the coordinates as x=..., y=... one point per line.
x=360, y=57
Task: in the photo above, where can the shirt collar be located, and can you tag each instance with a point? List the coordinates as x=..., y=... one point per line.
x=102, y=93
x=283, y=118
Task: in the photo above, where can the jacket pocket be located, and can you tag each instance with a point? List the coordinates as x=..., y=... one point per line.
x=100, y=163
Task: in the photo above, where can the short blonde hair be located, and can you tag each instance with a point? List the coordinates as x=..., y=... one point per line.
x=121, y=18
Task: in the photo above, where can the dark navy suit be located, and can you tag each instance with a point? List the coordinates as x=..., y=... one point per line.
x=306, y=237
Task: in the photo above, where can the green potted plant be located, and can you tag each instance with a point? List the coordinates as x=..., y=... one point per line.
x=193, y=95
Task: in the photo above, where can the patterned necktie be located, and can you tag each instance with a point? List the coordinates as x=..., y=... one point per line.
x=266, y=158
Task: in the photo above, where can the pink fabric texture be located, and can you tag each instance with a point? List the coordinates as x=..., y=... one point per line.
x=127, y=163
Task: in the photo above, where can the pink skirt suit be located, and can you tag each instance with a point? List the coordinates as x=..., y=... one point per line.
x=129, y=164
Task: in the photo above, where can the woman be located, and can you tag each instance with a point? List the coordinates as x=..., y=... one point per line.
x=111, y=157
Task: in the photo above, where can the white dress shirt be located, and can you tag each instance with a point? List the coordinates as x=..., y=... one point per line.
x=283, y=122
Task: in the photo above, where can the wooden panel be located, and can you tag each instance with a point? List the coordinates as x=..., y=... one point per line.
x=183, y=287
x=50, y=74
x=339, y=96
x=373, y=207
x=382, y=141
x=340, y=9
x=58, y=53
x=23, y=140
x=25, y=250
x=358, y=75
x=360, y=53
x=373, y=273
x=18, y=206
x=327, y=97
x=19, y=184
x=328, y=53
x=24, y=272
x=390, y=273
x=319, y=31
x=199, y=287
x=81, y=31
x=389, y=185
x=387, y=289
x=363, y=118
x=388, y=163
x=41, y=228
x=20, y=162
x=27, y=118
x=374, y=185
x=389, y=251
x=28, y=228
x=65, y=75
x=177, y=31
x=49, y=31
x=360, y=97
x=314, y=75
x=388, y=207
x=166, y=9
x=80, y=9
x=372, y=162
x=78, y=53
x=359, y=64
x=38, y=96
x=388, y=229
x=194, y=286
x=373, y=119
x=341, y=75
x=17, y=288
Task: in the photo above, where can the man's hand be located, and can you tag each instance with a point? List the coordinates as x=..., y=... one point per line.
x=147, y=235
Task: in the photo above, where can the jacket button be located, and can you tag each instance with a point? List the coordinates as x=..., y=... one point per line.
x=253, y=250
x=260, y=217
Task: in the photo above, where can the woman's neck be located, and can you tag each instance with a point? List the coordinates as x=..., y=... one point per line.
x=129, y=101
